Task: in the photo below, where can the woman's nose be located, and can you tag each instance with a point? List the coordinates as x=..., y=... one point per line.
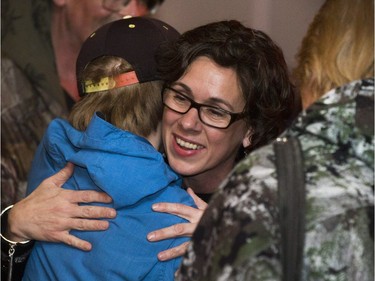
x=190, y=120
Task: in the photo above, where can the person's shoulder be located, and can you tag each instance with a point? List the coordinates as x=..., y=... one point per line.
x=350, y=90
x=257, y=163
x=248, y=191
x=57, y=134
x=57, y=125
x=256, y=170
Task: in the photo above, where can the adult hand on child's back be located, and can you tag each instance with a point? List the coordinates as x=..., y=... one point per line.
x=50, y=212
x=193, y=215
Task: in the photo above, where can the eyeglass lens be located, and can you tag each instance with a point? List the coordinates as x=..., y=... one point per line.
x=209, y=115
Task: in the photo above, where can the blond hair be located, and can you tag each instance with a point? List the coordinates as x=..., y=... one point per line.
x=338, y=48
x=137, y=108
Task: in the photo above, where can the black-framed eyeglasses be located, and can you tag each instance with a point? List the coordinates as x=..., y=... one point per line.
x=209, y=115
x=115, y=5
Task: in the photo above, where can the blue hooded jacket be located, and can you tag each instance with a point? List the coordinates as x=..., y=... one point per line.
x=135, y=175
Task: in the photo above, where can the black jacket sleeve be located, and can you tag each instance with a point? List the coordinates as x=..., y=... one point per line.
x=13, y=256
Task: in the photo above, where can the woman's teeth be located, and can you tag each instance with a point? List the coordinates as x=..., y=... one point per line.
x=188, y=145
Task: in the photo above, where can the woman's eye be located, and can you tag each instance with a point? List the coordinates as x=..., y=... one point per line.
x=215, y=113
x=180, y=99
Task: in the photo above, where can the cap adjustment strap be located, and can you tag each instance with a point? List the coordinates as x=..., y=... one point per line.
x=108, y=83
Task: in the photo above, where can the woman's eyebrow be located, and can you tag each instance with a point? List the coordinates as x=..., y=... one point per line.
x=184, y=86
x=212, y=100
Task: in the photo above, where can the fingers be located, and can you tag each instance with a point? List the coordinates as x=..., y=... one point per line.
x=193, y=215
x=83, y=196
x=189, y=213
x=61, y=176
x=84, y=224
x=50, y=212
x=93, y=212
x=177, y=230
x=197, y=200
x=87, y=196
x=75, y=242
x=173, y=252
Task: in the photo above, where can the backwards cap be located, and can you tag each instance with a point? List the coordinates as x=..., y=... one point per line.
x=134, y=39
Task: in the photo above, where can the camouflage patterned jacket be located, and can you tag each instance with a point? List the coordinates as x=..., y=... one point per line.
x=238, y=237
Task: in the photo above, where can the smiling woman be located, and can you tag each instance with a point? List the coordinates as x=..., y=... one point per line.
x=216, y=71
x=215, y=145
x=233, y=69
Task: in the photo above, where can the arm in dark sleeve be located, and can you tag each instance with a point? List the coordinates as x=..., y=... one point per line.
x=13, y=255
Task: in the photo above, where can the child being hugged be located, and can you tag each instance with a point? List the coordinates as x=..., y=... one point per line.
x=112, y=137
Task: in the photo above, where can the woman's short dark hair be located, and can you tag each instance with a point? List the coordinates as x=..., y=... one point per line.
x=258, y=62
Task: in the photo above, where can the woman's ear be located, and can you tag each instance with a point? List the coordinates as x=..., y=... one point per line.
x=246, y=142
